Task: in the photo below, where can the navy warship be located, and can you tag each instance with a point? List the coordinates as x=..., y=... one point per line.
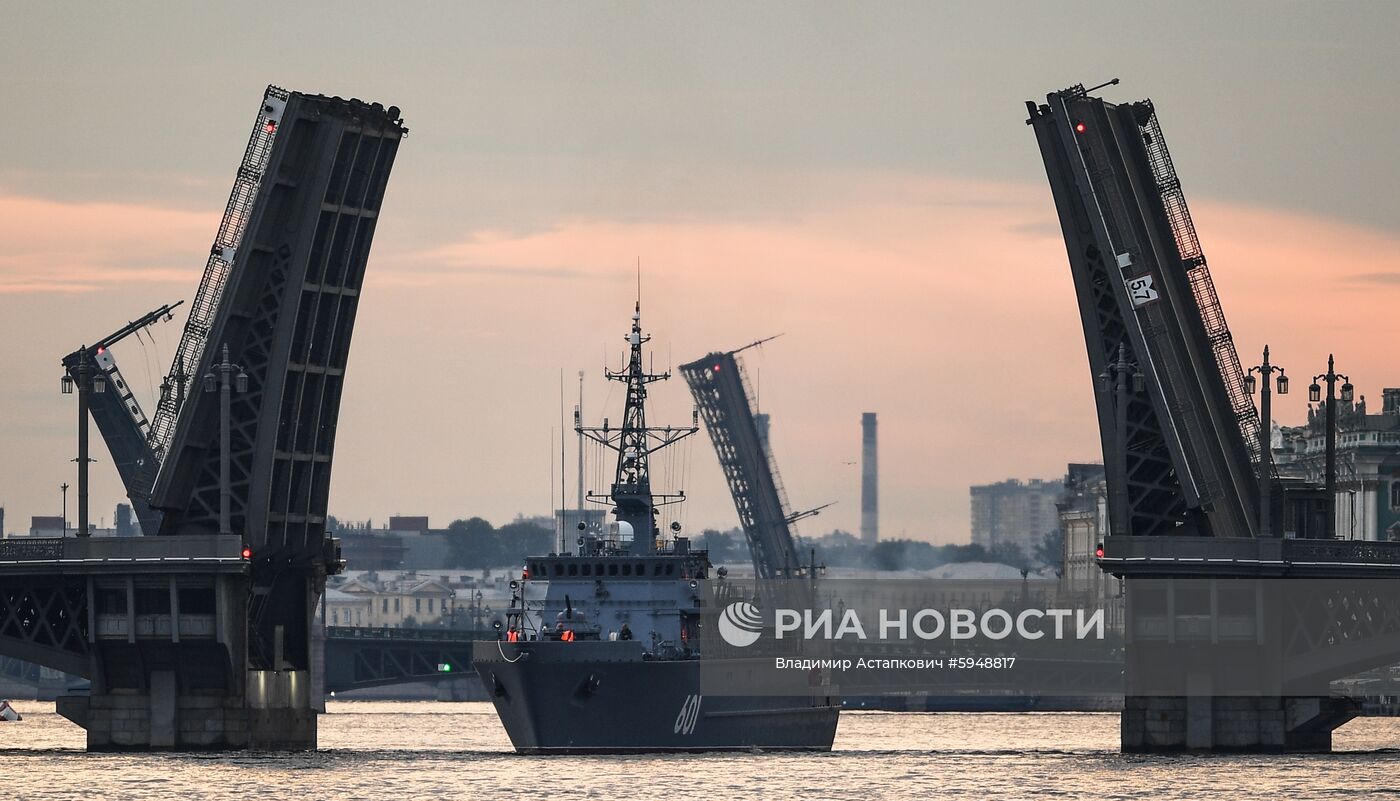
x=601, y=650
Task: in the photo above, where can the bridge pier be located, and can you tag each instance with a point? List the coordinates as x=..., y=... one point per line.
x=1233, y=723
x=162, y=628
x=273, y=715
x=1235, y=644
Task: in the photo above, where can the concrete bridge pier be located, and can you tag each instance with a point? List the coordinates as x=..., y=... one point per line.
x=1233, y=723
x=1239, y=657
x=273, y=715
x=169, y=633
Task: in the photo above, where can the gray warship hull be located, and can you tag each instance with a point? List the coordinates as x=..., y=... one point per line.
x=603, y=697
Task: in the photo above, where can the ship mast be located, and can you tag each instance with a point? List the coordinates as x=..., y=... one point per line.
x=633, y=502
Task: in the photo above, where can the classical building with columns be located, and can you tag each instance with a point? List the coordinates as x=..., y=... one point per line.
x=1368, y=463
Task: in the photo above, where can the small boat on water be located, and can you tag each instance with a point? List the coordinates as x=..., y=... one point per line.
x=8, y=712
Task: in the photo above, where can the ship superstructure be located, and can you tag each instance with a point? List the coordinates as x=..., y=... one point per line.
x=600, y=650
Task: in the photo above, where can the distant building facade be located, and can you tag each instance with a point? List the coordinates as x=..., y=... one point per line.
x=1015, y=512
x=391, y=603
x=409, y=524
x=1368, y=463
x=594, y=520
x=125, y=521
x=422, y=599
x=46, y=526
x=407, y=542
x=1083, y=521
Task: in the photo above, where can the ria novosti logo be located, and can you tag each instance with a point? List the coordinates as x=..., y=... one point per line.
x=740, y=624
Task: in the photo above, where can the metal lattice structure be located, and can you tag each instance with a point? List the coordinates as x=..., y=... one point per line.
x=365, y=657
x=720, y=388
x=222, y=253
x=286, y=314
x=1142, y=284
x=45, y=621
x=119, y=416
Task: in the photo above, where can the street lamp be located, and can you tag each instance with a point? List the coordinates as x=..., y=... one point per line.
x=1266, y=426
x=225, y=378
x=89, y=379
x=1115, y=377
x=1315, y=395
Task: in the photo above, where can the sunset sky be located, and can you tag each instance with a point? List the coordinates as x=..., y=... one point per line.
x=857, y=177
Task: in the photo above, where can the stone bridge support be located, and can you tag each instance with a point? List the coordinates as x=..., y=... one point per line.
x=159, y=627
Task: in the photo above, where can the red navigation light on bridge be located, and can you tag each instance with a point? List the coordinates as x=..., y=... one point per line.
x=1080, y=127
x=247, y=552
x=1098, y=552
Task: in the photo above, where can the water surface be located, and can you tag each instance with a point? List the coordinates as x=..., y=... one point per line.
x=410, y=750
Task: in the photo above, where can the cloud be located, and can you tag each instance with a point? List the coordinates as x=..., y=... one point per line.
x=1387, y=278
x=955, y=321
x=61, y=247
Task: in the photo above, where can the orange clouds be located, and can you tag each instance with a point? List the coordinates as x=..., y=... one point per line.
x=51, y=246
x=944, y=306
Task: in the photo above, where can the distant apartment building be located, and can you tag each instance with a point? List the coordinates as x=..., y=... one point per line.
x=1015, y=512
x=407, y=542
x=409, y=524
x=47, y=526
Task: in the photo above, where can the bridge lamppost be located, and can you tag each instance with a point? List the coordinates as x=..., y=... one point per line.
x=1115, y=378
x=1315, y=395
x=87, y=381
x=225, y=378
x=1266, y=436
x=63, y=488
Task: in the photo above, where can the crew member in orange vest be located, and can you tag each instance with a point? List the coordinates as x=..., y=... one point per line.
x=512, y=635
x=567, y=636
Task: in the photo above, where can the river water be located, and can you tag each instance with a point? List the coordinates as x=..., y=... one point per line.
x=410, y=750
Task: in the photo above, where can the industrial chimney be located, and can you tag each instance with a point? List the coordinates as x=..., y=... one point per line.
x=869, y=481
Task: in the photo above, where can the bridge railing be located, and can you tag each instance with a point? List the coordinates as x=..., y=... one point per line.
x=409, y=634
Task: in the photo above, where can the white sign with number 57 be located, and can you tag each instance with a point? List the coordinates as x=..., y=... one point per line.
x=1141, y=291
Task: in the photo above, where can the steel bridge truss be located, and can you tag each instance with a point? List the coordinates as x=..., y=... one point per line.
x=1142, y=283
x=721, y=393
x=45, y=621
x=286, y=313
x=358, y=657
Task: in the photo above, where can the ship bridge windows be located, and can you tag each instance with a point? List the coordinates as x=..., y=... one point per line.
x=627, y=568
x=573, y=570
x=598, y=570
x=558, y=569
x=612, y=569
x=587, y=570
